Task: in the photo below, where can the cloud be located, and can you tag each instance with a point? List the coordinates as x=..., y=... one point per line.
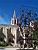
x=1, y=17
x=2, y=20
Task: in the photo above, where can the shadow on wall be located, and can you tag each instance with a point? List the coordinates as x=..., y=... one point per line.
x=10, y=36
x=2, y=36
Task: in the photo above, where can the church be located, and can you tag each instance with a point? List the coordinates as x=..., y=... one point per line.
x=8, y=32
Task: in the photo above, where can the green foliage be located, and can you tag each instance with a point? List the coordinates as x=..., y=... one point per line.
x=35, y=34
x=3, y=44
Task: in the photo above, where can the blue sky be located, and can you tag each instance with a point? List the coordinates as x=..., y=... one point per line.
x=7, y=7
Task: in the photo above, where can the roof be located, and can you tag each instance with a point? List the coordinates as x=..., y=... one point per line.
x=8, y=25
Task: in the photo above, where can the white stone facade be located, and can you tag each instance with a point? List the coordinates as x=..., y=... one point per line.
x=13, y=27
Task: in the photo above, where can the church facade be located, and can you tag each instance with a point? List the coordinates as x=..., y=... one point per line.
x=10, y=31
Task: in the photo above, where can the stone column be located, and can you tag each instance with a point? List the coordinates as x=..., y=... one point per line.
x=15, y=38
x=24, y=38
x=5, y=33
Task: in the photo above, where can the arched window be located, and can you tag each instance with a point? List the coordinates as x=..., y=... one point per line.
x=15, y=21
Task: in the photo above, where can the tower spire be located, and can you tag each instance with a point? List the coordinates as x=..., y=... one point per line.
x=14, y=15
x=14, y=19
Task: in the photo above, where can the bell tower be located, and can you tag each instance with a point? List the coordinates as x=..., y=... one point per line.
x=14, y=19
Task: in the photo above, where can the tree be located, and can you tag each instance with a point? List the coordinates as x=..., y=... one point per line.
x=35, y=31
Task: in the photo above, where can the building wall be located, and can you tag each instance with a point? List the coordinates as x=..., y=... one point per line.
x=13, y=31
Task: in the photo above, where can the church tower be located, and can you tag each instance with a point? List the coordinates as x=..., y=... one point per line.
x=14, y=19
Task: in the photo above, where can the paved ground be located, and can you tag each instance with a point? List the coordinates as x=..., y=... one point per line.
x=14, y=49
x=8, y=49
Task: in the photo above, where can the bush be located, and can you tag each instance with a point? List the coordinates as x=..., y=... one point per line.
x=3, y=44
